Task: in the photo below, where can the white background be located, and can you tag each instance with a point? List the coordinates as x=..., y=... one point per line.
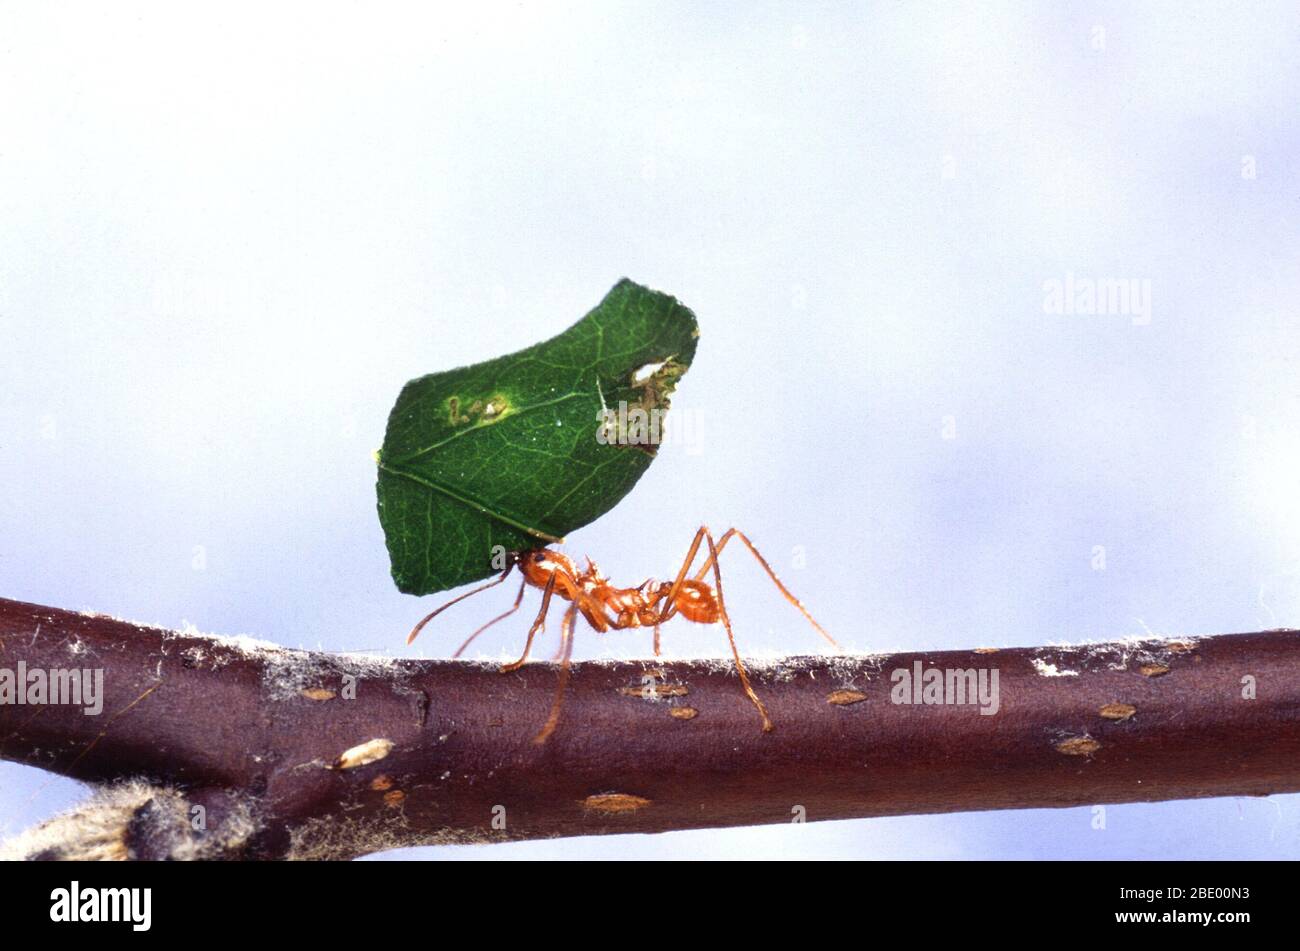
x=229, y=235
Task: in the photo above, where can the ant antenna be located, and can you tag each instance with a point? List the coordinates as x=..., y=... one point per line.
x=415, y=631
x=519, y=599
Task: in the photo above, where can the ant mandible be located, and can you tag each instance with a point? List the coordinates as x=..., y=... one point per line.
x=606, y=606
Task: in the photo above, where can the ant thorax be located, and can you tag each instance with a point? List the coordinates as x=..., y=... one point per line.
x=626, y=603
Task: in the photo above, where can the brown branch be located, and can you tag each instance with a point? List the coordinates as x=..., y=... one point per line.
x=259, y=736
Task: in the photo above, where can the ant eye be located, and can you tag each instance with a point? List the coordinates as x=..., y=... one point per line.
x=538, y=557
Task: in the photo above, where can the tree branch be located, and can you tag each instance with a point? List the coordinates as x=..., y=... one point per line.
x=312, y=755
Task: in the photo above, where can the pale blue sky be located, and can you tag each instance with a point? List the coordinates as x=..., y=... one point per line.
x=230, y=236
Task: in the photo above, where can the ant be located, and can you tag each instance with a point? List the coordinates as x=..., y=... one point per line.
x=606, y=606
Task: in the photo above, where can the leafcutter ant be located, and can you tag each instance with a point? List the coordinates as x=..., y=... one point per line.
x=607, y=607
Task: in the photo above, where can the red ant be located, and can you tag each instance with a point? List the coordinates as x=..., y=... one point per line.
x=606, y=606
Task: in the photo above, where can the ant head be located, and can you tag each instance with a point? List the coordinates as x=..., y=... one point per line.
x=530, y=561
x=540, y=563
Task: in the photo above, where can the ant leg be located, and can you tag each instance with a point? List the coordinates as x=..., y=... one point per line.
x=594, y=612
x=538, y=625
x=566, y=636
x=722, y=543
x=519, y=599
x=726, y=620
x=708, y=562
x=677, y=583
x=469, y=594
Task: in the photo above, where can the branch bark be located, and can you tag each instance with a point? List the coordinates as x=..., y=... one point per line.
x=295, y=754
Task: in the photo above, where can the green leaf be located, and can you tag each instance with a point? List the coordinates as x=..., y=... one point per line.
x=514, y=453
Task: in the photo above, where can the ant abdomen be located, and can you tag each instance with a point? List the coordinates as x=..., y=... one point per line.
x=697, y=602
